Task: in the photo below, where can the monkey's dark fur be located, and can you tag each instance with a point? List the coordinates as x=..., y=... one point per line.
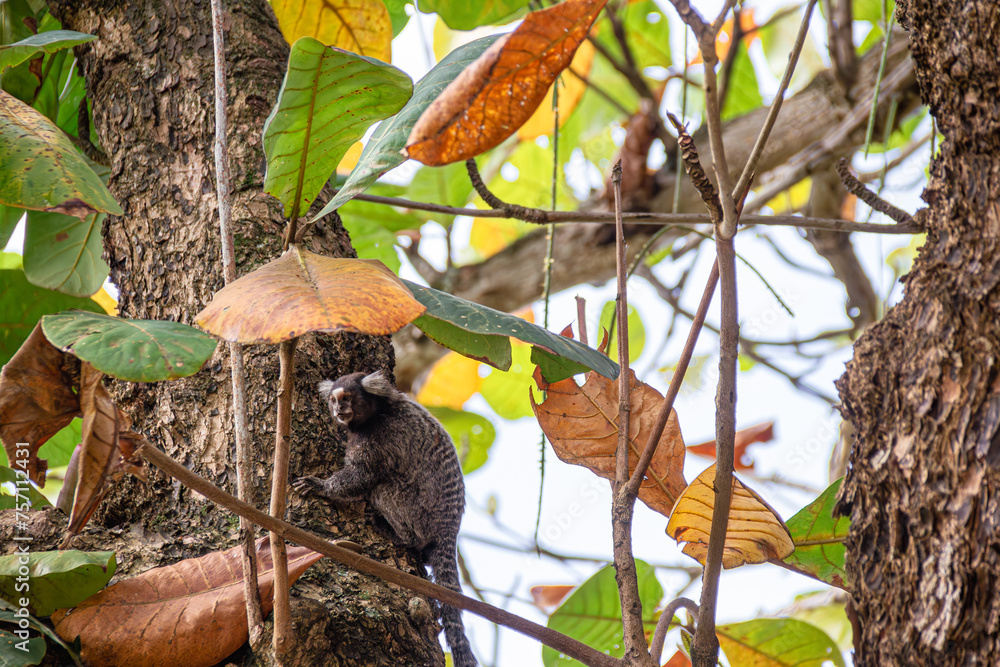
x=402, y=461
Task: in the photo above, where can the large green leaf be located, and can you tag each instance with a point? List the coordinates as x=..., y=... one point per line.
x=472, y=434
x=17, y=652
x=9, y=217
x=23, y=304
x=40, y=169
x=778, y=641
x=59, y=579
x=472, y=318
x=743, y=90
x=385, y=148
x=819, y=539
x=25, y=493
x=45, y=42
x=466, y=15
x=647, y=30
x=592, y=614
x=134, y=350
x=328, y=100
x=63, y=253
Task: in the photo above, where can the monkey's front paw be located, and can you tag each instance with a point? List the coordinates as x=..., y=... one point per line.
x=305, y=486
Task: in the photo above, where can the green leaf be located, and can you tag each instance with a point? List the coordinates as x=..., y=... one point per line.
x=743, y=90
x=9, y=217
x=477, y=319
x=63, y=253
x=373, y=227
x=57, y=579
x=17, y=652
x=592, y=613
x=636, y=332
x=45, y=42
x=385, y=148
x=328, y=100
x=24, y=304
x=58, y=449
x=41, y=169
x=871, y=10
x=397, y=14
x=778, y=641
x=830, y=617
x=819, y=539
x=553, y=367
x=35, y=500
x=134, y=350
x=647, y=30
x=466, y=15
x=472, y=434
x=448, y=185
x=506, y=392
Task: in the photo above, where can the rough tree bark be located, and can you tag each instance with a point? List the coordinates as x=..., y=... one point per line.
x=923, y=390
x=149, y=77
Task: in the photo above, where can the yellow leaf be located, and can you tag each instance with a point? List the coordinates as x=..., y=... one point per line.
x=103, y=299
x=793, y=199
x=451, y=382
x=489, y=236
x=350, y=158
x=301, y=292
x=360, y=26
x=755, y=533
x=571, y=89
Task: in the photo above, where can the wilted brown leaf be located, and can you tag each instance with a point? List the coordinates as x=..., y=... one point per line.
x=100, y=453
x=36, y=401
x=301, y=292
x=498, y=92
x=191, y=613
x=678, y=660
x=744, y=438
x=582, y=425
x=755, y=532
x=549, y=597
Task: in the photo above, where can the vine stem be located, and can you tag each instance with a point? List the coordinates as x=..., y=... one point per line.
x=244, y=490
x=356, y=561
x=284, y=638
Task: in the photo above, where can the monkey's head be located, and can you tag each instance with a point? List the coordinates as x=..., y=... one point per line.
x=356, y=398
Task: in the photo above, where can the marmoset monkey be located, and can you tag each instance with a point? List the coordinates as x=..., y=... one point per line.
x=403, y=462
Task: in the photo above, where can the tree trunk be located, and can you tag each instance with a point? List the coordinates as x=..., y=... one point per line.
x=149, y=77
x=923, y=390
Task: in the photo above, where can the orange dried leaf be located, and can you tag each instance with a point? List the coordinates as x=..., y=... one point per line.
x=359, y=26
x=36, y=402
x=744, y=438
x=549, y=597
x=582, y=425
x=571, y=90
x=301, y=292
x=755, y=533
x=190, y=613
x=678, y=660
x=501, y=89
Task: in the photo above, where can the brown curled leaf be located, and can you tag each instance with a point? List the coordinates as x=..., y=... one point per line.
x=191, y=613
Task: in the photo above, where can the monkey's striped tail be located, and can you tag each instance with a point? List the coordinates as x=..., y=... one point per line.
x=443, y=560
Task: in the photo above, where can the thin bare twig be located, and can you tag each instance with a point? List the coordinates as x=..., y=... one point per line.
x=622, y=506
x=858, y=189
x=284, y=637
x=772, y=114
x=540, y=216
x=241, y=433
x=510, y=210
x=581, y=319
x=352, y=559
x=663, y=625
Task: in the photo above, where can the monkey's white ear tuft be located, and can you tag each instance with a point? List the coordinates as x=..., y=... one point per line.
x=325, y=387
x=377, y=383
